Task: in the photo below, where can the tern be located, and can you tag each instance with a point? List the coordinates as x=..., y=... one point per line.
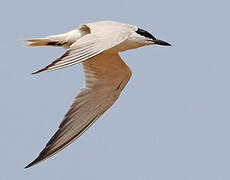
x=97, y=46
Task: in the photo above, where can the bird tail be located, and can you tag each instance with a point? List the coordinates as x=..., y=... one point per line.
x=54, y=40
x=44, y=42
x=61, y=40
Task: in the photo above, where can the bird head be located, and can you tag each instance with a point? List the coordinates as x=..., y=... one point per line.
x=147, y=39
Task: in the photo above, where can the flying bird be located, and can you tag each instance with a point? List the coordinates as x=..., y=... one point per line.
x=97, y=46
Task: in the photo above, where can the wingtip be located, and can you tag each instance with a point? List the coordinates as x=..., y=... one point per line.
x=32, y=163
x=29, y=165
x=36, y=161
x=39, y=71
x=36, y=72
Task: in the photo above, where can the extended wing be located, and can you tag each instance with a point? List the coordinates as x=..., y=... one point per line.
x=85, y=48
x=106, y=76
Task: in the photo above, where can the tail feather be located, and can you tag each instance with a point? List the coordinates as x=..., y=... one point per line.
x=44, y=42
x=64, y=40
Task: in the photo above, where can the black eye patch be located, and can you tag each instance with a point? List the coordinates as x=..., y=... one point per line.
x=145, y=33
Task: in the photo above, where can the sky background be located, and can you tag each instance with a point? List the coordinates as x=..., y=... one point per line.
x=172, y=120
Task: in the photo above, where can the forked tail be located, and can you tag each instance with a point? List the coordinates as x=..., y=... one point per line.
x=44, y=42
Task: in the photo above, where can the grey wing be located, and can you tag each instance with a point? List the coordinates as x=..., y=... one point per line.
x=106, y=76
x=85, y=48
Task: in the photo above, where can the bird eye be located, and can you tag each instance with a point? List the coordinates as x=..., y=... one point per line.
x=145, y=33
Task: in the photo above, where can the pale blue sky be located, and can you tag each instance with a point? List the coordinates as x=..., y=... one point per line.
x=171, y=121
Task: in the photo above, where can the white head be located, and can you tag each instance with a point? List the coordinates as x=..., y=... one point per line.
x=146, y=38
x=137, y=37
